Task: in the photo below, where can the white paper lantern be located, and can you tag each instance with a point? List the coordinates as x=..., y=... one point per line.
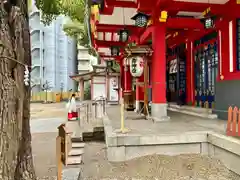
x=136, y=66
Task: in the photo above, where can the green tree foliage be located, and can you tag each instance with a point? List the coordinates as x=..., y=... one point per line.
x=75, y=9
x=78, y=31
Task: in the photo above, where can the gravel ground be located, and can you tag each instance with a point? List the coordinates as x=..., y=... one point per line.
x=154, y=167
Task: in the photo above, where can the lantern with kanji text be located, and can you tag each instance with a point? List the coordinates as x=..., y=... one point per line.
x=136, y=66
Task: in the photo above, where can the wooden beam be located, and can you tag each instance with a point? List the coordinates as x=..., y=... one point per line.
x=182, y=23
x=115, y=28
x=125, y=4
x=108, y=44
x=229, y=10
x=146, y=35
x=192, y=6
x=159, y=5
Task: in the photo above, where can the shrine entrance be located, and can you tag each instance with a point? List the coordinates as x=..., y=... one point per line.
x=206, y=70
x=176, y=75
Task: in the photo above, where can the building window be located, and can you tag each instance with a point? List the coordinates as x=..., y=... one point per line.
x=238, y=43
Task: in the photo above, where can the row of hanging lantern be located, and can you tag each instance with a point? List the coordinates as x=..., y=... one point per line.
x=141, y=20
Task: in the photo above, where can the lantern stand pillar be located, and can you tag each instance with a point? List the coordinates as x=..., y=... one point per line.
x=128, y=100
x=122, y=129
x=145, y=109
x=121, y=80
x=158, y=78
x=139, y=93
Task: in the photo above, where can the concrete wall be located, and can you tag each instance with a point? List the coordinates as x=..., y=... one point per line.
x=220, y=147
x=227, y=94
x=123, y=147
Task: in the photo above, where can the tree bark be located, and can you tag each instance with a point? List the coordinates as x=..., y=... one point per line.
x=16, y=162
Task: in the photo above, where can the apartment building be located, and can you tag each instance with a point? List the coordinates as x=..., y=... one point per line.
x=54, y=55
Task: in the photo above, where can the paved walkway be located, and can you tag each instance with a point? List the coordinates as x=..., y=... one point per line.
x=45, y=125
x=45, y=118
x=178, y=123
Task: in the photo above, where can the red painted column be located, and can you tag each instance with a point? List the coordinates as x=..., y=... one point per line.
x=139, y=92
x=223, y=46
x=159, y=106
x=127, y=80
x=190, y=73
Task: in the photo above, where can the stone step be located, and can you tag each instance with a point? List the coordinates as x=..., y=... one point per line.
x=76, y=139
x=76, y=152
x=74, y=160
x=204, y=114
x=190, y=108
x=78, y=144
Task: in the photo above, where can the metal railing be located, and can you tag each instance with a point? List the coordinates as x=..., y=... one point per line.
x=90, y=112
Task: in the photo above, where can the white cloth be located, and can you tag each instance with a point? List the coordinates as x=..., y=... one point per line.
x=71, y=105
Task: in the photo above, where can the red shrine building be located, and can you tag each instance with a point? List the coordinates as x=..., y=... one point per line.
x=194, y=55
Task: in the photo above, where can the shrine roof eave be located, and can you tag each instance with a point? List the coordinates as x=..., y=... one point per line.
x=172, y=23
x=177, y=6
x=115, y=27
x=86, y=76
x=194, y=35
x=83, y=76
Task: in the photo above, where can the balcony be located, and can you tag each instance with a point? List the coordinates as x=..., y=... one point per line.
x=35, y=45
x=35, y=75
x=83, y=56
x=35, y=81
x=84, y=67
x=82, y=48
x=35, y=29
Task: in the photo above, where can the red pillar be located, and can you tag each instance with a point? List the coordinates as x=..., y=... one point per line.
x=159, y=106
x=127, y=80
x=190, y=73
x=139, y=92
x=223, y=46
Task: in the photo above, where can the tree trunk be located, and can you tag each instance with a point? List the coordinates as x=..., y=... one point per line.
x=16, y=162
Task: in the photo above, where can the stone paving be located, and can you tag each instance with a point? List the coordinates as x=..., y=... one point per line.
x=178, y=123
x=45, y=118
x=45, y=111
